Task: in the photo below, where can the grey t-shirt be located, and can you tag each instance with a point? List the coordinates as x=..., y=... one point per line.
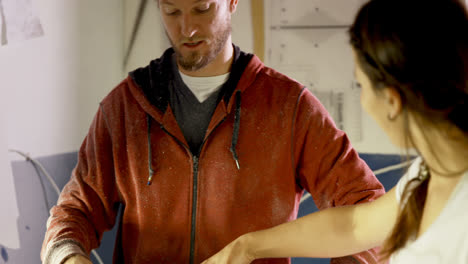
x=192, y=115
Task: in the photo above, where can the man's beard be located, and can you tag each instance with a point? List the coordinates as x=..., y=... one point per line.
x=195, y=60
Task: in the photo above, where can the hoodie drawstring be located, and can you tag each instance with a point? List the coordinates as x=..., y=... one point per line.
x=150, y=167
x=235, y=131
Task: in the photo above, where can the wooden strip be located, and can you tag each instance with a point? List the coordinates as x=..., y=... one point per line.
x=258, y=22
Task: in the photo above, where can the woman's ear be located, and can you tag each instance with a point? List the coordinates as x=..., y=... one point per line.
x=394, y=102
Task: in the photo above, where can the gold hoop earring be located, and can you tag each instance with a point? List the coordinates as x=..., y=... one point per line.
x=391, y=118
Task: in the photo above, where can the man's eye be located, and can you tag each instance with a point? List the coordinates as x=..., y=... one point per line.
x=203, y=9
x=171, y=11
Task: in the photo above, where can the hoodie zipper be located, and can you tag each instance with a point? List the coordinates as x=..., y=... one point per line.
x=194, y=206
x=194, y=190
x=195, y=162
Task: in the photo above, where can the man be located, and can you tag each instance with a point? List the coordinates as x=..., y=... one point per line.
x=201, y=146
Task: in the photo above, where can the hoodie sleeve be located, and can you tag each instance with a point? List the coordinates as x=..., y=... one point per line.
x=328, y=167
x=88, y=204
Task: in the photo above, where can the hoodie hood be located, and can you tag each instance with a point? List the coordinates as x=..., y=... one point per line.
x=150, y=85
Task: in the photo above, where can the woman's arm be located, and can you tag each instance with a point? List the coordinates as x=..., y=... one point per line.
x=333, y=232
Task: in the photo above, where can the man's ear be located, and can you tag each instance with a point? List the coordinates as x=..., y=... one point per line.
x=393, y=101
x=233, y=5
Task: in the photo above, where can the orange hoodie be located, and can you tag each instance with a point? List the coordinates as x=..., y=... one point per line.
x=268, y=140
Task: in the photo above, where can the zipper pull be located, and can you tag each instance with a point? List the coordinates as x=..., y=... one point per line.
x=150, y=177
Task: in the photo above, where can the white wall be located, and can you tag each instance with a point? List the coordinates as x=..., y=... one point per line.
x=55, y=82
x=52, y=85
x=242, y=29
x=151, y=40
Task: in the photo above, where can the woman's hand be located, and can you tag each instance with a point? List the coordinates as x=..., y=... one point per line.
x=237, y=252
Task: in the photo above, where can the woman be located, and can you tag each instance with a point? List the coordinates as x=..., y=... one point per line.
x=412, y=65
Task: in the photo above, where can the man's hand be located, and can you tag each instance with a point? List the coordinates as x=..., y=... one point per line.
x=237, y=252
x=78, y=259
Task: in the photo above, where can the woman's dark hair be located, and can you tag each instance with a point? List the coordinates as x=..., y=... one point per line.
x=419, y=48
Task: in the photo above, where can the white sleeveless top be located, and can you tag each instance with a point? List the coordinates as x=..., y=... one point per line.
x=446, y=240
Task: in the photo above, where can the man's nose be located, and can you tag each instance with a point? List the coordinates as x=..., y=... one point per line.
x=188, y=26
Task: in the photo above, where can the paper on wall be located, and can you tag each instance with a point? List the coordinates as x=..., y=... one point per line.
x=307, y=40
x=20, y=21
